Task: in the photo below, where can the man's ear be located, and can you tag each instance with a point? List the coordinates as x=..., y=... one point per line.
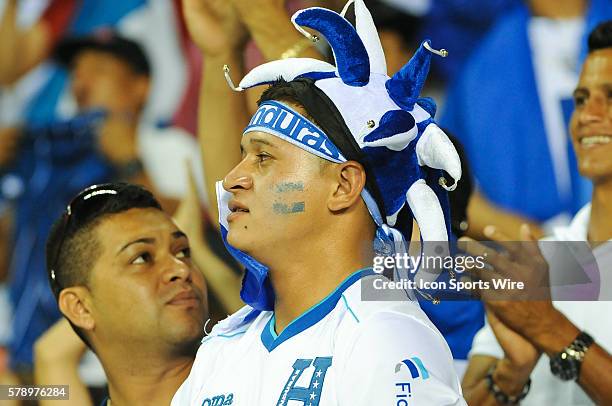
x=351, y=178
x=74, y=302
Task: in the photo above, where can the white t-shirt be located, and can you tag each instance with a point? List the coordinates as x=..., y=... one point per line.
x=546, y=389
x=165, y=153
x=343, y=351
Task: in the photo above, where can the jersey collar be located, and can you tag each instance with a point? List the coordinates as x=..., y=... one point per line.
x=316, y=313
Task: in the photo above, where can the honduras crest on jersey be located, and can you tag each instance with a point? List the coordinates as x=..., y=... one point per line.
x=310, y=395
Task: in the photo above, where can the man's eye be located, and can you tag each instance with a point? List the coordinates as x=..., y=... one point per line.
x=142, y=259
x=262, y=157
x=579, y=101
x=184, y=253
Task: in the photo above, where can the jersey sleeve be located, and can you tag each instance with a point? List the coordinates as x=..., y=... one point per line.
x=395, y=359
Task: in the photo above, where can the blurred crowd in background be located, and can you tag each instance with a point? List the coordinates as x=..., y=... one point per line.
x=100, y=90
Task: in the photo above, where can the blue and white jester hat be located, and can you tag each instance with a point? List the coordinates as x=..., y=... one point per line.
x=391, y=126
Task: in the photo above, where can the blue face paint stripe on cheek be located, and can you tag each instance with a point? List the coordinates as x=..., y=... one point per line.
x=283, y=208
x=290, y=186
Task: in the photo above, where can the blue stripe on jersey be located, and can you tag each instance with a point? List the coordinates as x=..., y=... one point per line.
x=205, y=339
x=349, y=308
x=422, y=369
x=414, y=372
x=312, y=316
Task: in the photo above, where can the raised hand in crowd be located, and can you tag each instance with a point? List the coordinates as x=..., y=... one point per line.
x=220, y=278
x=57, y=354
x=527, y=322
x=214, y=26
x=20, y=49
x=510, y=373
x=483, y=212
x=270, y=26
x=222, y=113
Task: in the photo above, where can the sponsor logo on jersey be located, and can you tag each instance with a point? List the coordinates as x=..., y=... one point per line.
x=219, y=400
x=404, y=390
x=310, y=396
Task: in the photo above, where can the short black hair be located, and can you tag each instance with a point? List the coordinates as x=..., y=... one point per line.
x=601, y=37
x=72, y=247
x=282, y=91
x=104, y=40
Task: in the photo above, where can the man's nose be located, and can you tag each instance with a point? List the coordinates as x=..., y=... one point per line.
x=594, y=110
x=238, y=179
x=176, y=270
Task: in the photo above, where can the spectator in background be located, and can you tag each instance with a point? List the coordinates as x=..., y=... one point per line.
x=42, y=91
x=512, y=102
x=508, y=351
x=110, y=81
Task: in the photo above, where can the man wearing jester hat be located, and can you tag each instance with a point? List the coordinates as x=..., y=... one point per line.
x=336, y=163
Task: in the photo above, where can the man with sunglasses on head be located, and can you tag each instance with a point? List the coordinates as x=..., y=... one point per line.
x=107, y=140
x=121, y=272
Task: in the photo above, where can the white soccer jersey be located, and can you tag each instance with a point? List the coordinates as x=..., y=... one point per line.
x=341, y=352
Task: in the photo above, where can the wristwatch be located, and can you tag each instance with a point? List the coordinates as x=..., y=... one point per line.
x=566, y=364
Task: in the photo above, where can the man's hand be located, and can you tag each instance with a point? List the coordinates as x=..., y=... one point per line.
x=220, y=278
x=520, y=353
x=252, y=10
x=214, y=25
x=188, y=215
x=9, y=144
x=57, y=354
x=522, y=310
x=270, y=27
x=59, y=344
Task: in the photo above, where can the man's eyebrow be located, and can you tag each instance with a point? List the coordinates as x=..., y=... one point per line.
x=138, y=241
x=580, y=90
x=175, y=235
x=256, y=140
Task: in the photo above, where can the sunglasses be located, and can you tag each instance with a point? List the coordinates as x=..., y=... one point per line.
x=79, y=211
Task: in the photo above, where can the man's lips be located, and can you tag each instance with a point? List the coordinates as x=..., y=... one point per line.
x=594, y=140
x=185, y=298
x=236, y=206
x=236, y=209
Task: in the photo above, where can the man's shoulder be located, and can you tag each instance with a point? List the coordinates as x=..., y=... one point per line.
x=235, y=324
x=358, y=302
x=385, y=319
x=396, y=342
